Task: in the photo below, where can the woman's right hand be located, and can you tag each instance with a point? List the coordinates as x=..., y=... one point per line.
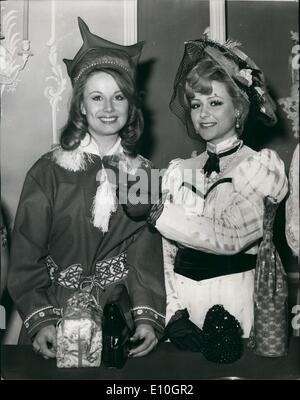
x=45, y=342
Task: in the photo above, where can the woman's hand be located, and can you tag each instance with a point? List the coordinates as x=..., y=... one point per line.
x=146, y=333
x=45, y=342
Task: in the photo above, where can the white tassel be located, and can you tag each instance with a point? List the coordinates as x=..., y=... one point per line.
x=105, y=202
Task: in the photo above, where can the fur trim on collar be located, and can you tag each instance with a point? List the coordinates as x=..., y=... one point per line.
x=75, y=160
x=105, y=201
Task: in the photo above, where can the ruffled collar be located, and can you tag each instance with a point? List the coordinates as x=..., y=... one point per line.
x=223, y=146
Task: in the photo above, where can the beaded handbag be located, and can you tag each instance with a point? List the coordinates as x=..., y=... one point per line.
x=269, y=335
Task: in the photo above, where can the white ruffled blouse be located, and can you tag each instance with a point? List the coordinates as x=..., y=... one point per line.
x=226, y=220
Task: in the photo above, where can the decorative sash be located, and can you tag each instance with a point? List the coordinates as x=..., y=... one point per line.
x=198, y=265
x=107, y=272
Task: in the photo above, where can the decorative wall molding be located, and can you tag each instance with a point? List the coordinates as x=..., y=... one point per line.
x=10, y=67
x=217, y=18
x=53, y=93
x=130, y=22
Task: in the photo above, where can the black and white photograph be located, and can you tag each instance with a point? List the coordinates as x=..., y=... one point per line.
x=149, y=192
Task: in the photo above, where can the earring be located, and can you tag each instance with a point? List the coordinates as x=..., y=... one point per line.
x=237, y=121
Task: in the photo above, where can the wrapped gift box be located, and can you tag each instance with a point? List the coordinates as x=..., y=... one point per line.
x=79, y=333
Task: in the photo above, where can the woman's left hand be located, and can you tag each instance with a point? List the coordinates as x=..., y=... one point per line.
x=146, y=333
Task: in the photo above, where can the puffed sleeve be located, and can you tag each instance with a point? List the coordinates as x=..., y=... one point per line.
x=170, y=184
x=241, y=218
x=172, y=178
x=146, y=279
x=28, y=280
x=292, y=205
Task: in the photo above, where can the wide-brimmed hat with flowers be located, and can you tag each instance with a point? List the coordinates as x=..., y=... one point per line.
x=245, y=75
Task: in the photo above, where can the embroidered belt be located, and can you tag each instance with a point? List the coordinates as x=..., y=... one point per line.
x=107, y=272
x=198, y=265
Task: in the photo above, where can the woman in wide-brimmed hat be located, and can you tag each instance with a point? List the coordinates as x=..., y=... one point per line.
x=213, y=204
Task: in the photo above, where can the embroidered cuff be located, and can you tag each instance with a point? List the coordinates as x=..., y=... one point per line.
x=150, y=316
x=42, y=317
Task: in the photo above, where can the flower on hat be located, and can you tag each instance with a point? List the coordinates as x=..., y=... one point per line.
x=259, y=90
x=246, y=75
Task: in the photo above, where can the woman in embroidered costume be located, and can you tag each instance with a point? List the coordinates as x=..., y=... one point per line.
x=70, y=229
x=213, y=207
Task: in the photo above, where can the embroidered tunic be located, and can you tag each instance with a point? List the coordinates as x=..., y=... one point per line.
x=221, y=215
x=55, y=246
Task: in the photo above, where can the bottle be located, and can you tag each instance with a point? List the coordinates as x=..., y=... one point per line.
x=115, y=337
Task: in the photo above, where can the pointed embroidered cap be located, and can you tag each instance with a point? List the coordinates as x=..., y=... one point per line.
x=96, y=51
